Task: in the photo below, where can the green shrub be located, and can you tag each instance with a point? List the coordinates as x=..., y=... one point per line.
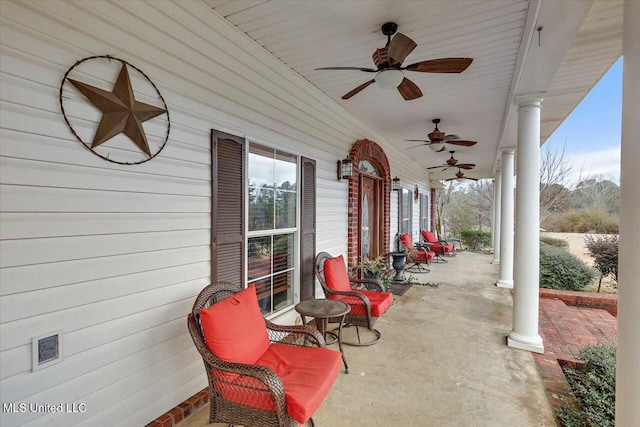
x=583, y=221
x=561, y=270
x=558, y=243
x=475, y=239
x=593, y=388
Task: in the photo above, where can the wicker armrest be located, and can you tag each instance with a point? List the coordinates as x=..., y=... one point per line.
x=300, y=335
x=423, y=246
x=369, y=284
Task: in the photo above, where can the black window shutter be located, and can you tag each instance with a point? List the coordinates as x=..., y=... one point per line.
x=307, y=228
x=227, y=213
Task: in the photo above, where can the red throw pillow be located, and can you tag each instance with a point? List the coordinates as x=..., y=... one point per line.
x=335, y=274
x=234, y=329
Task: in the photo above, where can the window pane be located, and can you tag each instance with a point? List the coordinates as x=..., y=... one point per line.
x=282, y=252
x=282, y=290
x=263, y=289
x=260, y=209
x=285, y=209
x=286, y=171
x=365, y=226
x=368, y=167
x=260, y=170
x=259, y=257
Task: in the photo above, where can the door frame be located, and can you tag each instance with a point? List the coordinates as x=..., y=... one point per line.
x=365, y=149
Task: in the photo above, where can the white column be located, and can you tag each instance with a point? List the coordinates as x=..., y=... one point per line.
x=497, y=194
x=493, y=219
x=505, y=279
x=628, y=368
x=527, y=237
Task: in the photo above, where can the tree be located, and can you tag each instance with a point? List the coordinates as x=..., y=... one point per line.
x=554, y=174
x=604, y=251
x=597, y=193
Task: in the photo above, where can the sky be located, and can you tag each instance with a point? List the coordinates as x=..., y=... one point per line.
x=592, y=132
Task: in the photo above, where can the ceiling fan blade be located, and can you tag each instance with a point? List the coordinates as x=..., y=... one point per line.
x=439, y=167
x=409, y=90
x=419, y=145
x=462, y=142
x=358, y=89
x=418, y=140
x=368, y=70
x=399, y=48
x=442, y=65
x=466, y=166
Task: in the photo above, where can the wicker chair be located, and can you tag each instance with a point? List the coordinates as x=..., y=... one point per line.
x=366, y=298
x=252, y=394
x=418, y=254
x=440, y=247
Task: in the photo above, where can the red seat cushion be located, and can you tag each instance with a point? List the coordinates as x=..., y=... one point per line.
x=436, y=245
x=335, y=274
x=380, y=302
x=307, y=374
x=234, y=329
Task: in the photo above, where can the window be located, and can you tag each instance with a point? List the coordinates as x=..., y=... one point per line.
x=262, y=220
x=405, y=203
x=424, y=212
x=272, y=226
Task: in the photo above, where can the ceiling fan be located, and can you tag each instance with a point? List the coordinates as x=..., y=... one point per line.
x=460, y=175
x=437, y=138
x=453, y=163
x=388, y=61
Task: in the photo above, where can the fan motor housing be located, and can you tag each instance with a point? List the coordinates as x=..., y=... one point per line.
x=436, y=136
x=381, y=57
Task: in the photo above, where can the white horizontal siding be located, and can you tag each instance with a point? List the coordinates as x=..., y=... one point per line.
x=113, y=255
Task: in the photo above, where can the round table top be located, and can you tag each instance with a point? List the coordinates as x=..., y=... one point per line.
x=322, y=308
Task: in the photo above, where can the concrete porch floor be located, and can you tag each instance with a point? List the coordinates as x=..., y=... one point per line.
x=442, y=360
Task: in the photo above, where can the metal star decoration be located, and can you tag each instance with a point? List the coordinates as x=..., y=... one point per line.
x=121, y=113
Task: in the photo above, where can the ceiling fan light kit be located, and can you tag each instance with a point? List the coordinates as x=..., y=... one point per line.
x=437, y=146
x=389, y=79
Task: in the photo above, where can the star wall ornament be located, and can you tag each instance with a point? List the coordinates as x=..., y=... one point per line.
x=122, y=115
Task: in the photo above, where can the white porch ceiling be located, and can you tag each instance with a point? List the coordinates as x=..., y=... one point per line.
x=476, y=104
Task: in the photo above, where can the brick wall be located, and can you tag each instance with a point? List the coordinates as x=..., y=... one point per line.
x=182, y=411
x=607, y=302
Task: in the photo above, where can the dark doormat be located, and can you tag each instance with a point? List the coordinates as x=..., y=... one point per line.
x=400, y=288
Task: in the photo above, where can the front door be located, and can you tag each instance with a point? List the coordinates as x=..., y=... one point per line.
x=370, y=240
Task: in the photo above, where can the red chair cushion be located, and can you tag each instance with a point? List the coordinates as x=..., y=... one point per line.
x=335, y=274
x=307, y=374
x=380, y=302
x=406, y=240
x=234, y=329
x=429, y=236
x=436, y=245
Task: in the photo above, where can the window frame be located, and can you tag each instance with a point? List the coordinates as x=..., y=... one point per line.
x=273, y=232
x=424, y=212
x=405, y=216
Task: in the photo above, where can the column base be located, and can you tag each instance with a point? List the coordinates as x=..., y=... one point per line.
x=525, y=343
x=505, y=284
x=495, y=262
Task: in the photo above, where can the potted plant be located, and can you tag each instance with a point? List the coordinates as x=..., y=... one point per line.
x=372, y=268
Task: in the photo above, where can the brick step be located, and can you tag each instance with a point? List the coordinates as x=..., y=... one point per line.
x=566, y=329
